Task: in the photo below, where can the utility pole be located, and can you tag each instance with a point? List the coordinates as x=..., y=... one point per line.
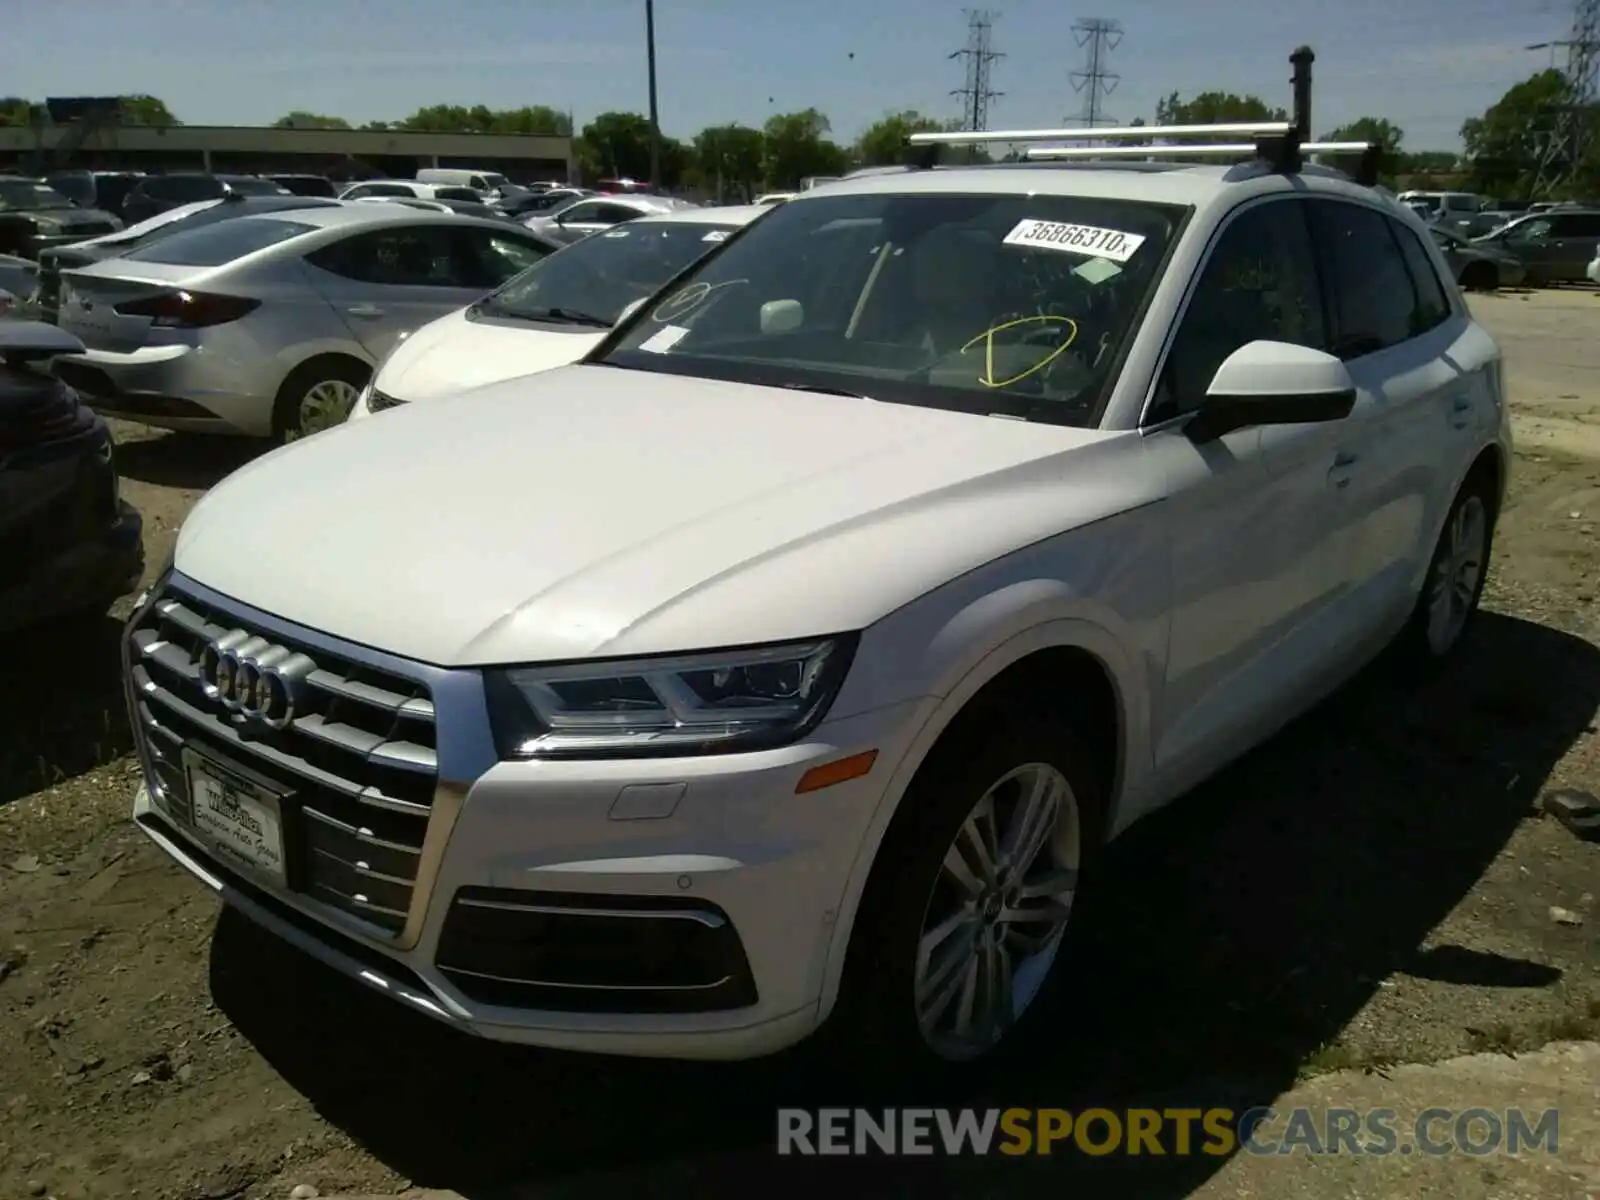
x=1098, y=37
x=980, y=56
x=1572, y=125
x=655, y=121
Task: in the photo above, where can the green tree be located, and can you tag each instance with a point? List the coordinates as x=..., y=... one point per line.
x=146, y=110
x=1215, y=108
x=884, y=141
x=377, y=126
x=309, y=120
x=616, y=145
x=1380, y=130
x=729, y=158
x=1519, y=132
x=539, y=120
x=15, y=110
x=797, y=145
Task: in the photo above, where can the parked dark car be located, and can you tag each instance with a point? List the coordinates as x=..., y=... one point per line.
x=105, y=190
x=306, y=185
x=53, y=262
x=157, y=193
x=1479, y=266
x=34, y=215
x=1554, y=245
x=69, y=544
x=542, y=204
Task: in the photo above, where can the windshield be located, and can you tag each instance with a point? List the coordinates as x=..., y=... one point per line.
x=213, y=245
x=24, y=195
x=592, y=281
x=1002, y=304
x=496, y=181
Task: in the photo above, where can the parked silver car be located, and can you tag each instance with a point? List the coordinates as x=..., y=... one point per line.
x=579, y=220
x=270, y=325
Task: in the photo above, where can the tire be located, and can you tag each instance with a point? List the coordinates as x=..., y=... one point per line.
x=1480, y=277
x=912, y=896
x=1448, y=604
x=318, y=394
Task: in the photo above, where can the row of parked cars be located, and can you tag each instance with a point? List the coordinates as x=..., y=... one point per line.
x=266, y=314
x=1490, y=246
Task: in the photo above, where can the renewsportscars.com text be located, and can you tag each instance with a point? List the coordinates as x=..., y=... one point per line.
x=1216, y=1132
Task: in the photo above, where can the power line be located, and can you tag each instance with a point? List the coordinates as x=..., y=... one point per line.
x=1095, y=82
x=980, y=56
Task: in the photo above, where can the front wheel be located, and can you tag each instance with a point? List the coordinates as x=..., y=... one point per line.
x=1480, y=277
x=970, y=900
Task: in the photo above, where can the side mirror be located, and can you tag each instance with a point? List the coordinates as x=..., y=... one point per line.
x=1274, y=383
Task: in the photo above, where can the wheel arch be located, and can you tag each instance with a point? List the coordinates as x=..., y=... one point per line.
x=1073, y=663
x=319, y=354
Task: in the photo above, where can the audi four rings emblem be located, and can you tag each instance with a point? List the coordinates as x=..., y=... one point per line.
x=251, y=677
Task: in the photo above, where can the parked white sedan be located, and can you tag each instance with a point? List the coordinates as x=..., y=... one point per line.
x=553, y=313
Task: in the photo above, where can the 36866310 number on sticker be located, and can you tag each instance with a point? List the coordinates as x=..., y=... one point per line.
x=1089, y=240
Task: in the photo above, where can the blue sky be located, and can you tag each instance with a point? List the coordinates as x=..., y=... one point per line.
x=1425, y=64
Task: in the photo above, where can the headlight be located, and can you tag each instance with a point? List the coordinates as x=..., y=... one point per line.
x=46, y=226
x=710, y=703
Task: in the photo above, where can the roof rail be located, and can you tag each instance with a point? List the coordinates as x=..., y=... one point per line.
x=1280, y=145
x=1117, y=133
x=1205, y=150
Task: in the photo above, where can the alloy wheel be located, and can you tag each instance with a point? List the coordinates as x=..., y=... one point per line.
x=1457, y=573
x=997, y=912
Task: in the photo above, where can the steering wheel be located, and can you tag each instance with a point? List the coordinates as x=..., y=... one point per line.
x=1055, y=333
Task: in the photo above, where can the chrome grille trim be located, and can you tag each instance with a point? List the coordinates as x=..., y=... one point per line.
x=362, y=765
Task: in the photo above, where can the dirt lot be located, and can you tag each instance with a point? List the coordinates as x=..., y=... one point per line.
x=1374, y=886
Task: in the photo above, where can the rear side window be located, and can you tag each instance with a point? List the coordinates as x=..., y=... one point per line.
x=454, y=193
x=398, y=256
x=1578, y=225
x=220, y=243
x=1374, y=302
x=380, y=189
x=1433, y=304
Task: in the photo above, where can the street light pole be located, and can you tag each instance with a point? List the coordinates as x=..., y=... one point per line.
x=655, y=123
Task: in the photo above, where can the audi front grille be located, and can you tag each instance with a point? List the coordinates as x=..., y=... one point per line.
x=354, y=758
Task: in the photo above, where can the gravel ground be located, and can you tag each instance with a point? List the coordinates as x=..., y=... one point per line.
x=1373, y=887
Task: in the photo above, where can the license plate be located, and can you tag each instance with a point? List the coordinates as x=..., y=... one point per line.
x=242, y=822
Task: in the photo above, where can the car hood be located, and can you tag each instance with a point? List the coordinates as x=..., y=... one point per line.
x=593, y=511
x=452, y=354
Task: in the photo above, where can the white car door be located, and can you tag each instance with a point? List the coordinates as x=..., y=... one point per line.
x=1250, y=513
x=1403, y=345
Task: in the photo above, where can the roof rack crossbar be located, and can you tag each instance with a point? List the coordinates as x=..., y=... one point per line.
x=988, y=137
x=1205, y=150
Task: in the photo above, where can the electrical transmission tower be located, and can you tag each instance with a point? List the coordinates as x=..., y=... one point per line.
x=1095, y=82
x=1573, y=124
x=980, y=56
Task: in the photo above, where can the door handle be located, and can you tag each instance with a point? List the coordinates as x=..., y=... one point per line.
x=1339, y=473
x=1461, y=412
x=364, y=310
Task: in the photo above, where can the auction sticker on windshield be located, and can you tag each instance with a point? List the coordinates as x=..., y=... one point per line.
x=664, y=339
x=1088, y=240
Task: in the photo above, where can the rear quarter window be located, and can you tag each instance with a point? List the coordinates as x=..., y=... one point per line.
x=223, y=242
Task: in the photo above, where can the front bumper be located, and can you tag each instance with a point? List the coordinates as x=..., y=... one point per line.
x=177, y=387
x=680, y=908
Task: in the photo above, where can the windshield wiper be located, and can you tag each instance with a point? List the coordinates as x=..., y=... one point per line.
x=566, y=316
x=823, y=390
